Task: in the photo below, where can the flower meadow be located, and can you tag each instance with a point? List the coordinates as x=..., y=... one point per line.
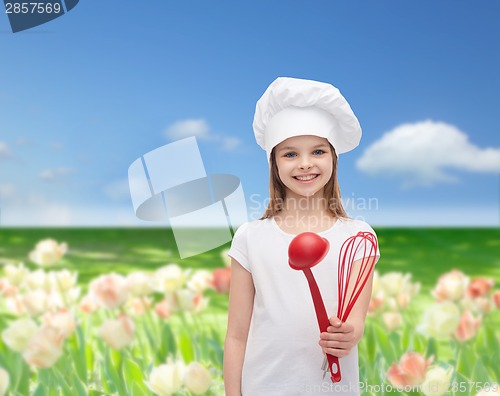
x=139, y=334
x=157, y=331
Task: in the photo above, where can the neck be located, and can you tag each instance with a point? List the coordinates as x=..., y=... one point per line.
x=299, y=205
x=300, y=214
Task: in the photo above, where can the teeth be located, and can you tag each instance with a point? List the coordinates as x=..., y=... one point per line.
x=305, y=178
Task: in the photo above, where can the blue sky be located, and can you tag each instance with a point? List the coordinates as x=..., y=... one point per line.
x=85, y=95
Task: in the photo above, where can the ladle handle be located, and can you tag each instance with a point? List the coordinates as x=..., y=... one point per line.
x=323, y=322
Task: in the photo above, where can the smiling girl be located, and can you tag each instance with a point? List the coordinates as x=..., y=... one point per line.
x=272, y=343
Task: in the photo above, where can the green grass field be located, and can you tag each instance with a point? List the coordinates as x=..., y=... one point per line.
x=425, y=252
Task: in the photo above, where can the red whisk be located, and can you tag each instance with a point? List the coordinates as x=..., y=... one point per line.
x=308, y=249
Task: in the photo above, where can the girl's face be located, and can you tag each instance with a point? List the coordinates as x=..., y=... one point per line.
x=305, y=165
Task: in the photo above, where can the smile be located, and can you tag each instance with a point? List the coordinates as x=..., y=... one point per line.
x=306, y=178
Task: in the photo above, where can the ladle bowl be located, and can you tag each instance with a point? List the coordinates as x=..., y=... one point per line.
x=306, y=250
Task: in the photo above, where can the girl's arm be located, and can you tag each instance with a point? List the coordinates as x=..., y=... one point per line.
x=241, y=295
x=342, y=337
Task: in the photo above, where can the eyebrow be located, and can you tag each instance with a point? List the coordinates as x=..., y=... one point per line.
x=294, y=148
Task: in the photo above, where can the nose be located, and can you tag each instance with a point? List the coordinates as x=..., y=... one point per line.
x=305, y=163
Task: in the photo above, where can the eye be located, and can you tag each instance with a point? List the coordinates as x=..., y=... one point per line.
x=290, y=155
x=319, y=152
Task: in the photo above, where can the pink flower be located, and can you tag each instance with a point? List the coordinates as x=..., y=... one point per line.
x=62, y=321
x=410, y=371
x=6, y=288
x=483, y=304
x=162, y=309
x=139, y=305
x=110, y=290
x=376, y=302
x=44, y=348
x=221, y=279
x=88, y=304
x=496, y=299
x=118, y=333
x=479, y=287
x=467, y=327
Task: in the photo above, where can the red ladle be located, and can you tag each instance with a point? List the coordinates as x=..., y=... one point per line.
x=305, y=251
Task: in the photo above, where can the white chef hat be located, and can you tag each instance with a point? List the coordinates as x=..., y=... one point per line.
x=293, y=107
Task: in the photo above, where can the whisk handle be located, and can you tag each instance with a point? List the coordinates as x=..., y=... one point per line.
x=334, y=365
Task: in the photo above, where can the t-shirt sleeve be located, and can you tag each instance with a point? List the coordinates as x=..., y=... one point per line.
x=239, y=247
x=365, y=246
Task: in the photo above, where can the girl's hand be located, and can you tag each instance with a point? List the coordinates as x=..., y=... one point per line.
x=339, y=338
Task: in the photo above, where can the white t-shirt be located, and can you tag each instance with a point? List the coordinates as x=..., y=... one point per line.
x=282, y=355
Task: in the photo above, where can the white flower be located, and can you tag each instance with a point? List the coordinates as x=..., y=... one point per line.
x=451, y=286
x=392, y=320
x=37, y=280
x=4, y=381
x=56, y=300
x=15, y=305
x=437, y=381
x=166, y=379
x=35, y=302
x=15, y=274
x=492, y=391
x=48, y=252
x=19, y=333
x=393, y=283
x=140, y=283
x=169, y=279
x=396, y=283
x=44, y=348
x=63, y=280
x=200, y=281
x=225, y=258
x=440, y=320
x=197, y=378
x=190, y=301
x=118, y=333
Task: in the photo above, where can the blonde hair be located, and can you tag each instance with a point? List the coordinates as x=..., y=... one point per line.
x=277, y=190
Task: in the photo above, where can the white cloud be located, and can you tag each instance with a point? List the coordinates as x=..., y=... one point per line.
x=200, y=128
x=55, y=174
x=186, y=128
x=4, y=150
x=230, y=143
x=23, y=141
x=56, y=146
x=424, y=152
